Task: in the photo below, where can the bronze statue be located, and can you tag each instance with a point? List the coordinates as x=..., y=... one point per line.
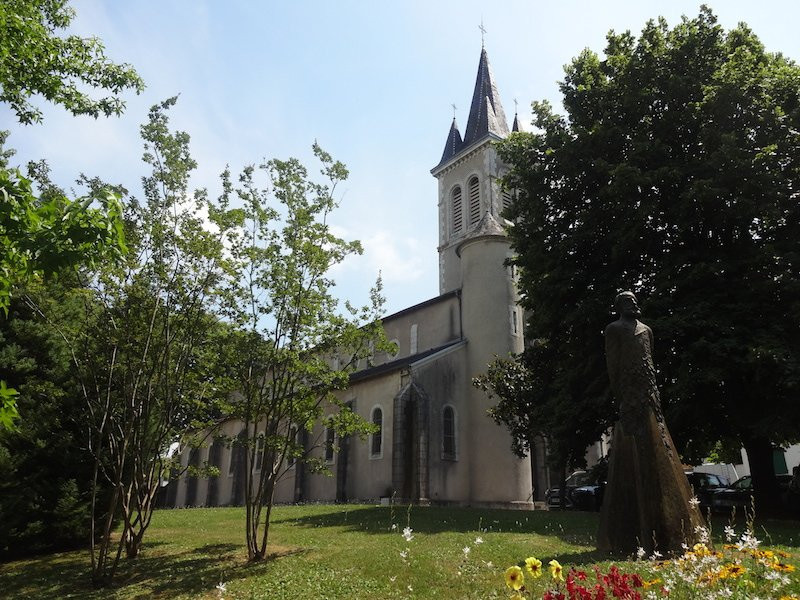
x=647, y=501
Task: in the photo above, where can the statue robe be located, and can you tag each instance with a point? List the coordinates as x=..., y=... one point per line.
x=646, y=502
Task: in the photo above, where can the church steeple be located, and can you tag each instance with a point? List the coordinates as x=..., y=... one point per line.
x=486, y=114
x=453, y=144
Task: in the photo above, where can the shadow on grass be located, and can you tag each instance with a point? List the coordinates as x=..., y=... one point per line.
x=572, y=527
x=154, y=574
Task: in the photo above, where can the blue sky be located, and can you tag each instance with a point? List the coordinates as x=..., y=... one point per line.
x=373, y=82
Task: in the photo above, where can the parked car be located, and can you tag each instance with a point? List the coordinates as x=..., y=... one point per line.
x=705, y=486
x=574, y=481
x=740, y=493
x=584, y=489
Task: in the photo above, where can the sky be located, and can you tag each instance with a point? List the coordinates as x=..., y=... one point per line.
x=372, y=82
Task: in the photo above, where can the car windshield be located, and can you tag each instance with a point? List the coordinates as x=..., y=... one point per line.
x=579, y=479
x=743, y=483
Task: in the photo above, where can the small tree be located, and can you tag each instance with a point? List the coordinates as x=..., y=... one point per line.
x=278, y=295
x=142, y=346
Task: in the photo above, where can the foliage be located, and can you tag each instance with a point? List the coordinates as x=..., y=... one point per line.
x=40, y=236
x=35, y=60
x=141, y=348
x=277, y=294
x=674, y=174
x=44, y=474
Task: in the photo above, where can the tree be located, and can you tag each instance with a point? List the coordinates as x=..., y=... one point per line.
x=34, y=60
x=278, y=296
x=40, y=236
x=44, y=472
x=141, y=348
x=675, y=175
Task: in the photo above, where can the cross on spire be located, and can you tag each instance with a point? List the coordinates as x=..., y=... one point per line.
x=454, y=111
x=483, y=31
x=515, y=106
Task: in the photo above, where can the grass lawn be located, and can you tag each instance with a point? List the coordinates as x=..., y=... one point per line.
x=340, y=551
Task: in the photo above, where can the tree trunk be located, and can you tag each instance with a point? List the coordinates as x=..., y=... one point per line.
x=765, y=485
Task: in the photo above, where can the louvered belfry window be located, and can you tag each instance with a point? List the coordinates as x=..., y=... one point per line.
x=474, y=201
x=458, y=213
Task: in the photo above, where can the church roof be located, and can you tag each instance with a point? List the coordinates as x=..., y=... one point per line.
x=486, y=115
x=454, y=143
x=517, y=126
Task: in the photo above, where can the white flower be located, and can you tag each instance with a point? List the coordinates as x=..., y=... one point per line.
x=394, y=526
x=392, y=578
x=656, y=555
x=407, y=534
x=694, y=501
x=640, y=553
x=404, y=554
x=703, y=533
x=410, y=589
x=729, y=533
x=489, y=564
x=478, y=540
x=466, y=550
x=221, y=586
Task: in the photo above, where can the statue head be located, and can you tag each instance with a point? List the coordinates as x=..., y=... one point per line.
x=626, y=306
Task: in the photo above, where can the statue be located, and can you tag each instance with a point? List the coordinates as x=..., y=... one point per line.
x=647, y=501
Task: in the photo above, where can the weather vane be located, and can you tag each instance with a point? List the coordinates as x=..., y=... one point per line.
x=483, y=31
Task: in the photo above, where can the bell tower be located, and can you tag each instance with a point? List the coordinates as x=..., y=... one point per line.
x=468, y=175
x=473, y=248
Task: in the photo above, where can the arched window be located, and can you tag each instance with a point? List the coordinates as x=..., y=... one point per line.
x=376, y=441
x=458, y=213
x=330, y=440
x=448, y=433
x=474, y=201
x=291, y=449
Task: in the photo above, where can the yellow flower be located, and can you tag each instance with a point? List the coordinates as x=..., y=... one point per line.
x=534, y=567
x=700, y=550
x=651, y=583
x=783, y=567
x=556, y=570
x=514, y=577
x=731, y=570
x=790, y=598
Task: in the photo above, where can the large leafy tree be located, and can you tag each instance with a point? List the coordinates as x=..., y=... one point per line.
x=278, y=296
x=675, y=174
x=35, y=60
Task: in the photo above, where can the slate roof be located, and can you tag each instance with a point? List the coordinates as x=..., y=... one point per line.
x=486, y=115
x=454, y=143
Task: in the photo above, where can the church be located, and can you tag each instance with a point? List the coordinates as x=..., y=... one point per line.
x=436, y=443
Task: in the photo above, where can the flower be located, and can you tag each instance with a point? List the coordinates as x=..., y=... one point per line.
x=694, y=501
x=404, y=554
x=407, y=534
x=640, y=553
x=783, y=567
x=534, y=567
x=478, y=540
x=729, y=533
x=466, y=550
x=514, y=577
x=556, y=570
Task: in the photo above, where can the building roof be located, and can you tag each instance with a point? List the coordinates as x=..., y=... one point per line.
x=400, y=362
x=517, y=126
x=486, y=115
x=453, y=144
